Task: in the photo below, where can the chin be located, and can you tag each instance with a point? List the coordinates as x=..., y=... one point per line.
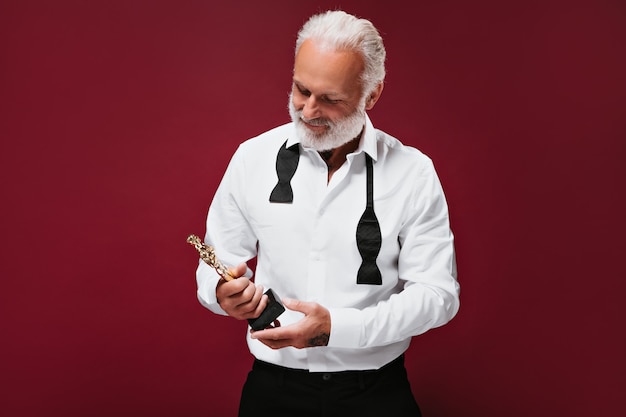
x=318, y=141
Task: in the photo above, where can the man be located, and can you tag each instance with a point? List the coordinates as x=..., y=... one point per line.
x=356, y=240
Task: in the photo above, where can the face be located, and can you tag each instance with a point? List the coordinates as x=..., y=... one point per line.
x=326, y=103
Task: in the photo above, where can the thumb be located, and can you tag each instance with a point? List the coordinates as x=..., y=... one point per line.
x=238, y=271
x=297, y=305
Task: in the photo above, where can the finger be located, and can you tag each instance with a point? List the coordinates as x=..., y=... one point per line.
x=254, y=303
x=275, y=344
x=260, y=307
x=234, y=287
x=248, y=300
x=249, y=293
x=279, y=337
x=272, y=334
x=228, y=292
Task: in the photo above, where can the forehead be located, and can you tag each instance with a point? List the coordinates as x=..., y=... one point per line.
x=324, y=71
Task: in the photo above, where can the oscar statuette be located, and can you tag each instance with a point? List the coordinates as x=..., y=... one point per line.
x=274, y=307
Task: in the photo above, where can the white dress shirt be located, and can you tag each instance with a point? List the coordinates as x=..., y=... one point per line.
x=307, y=250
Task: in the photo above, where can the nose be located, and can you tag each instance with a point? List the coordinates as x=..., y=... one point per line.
x=310, y=108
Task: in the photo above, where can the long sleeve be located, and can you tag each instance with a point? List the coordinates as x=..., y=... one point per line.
x=228, y=232
x=426, y=263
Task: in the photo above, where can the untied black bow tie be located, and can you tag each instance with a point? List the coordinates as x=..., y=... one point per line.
x=286, y=164
x=368, y=234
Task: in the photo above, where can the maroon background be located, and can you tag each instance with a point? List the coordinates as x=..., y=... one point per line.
x=118, y=118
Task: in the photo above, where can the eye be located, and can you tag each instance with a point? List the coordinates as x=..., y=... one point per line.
x=330, y=100
x=303, y=91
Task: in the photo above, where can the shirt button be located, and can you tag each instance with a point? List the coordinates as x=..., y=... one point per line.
x=327, y=376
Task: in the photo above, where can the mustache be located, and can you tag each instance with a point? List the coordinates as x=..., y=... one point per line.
x=319, y=121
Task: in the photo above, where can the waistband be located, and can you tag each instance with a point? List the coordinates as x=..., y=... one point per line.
x=396, y=364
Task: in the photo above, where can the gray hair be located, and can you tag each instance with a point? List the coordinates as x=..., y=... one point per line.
x=338, y=30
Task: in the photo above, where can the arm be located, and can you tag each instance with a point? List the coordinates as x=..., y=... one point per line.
x=217, y=290
x=426, y=265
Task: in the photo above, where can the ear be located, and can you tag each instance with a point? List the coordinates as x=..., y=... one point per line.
x=374, y=96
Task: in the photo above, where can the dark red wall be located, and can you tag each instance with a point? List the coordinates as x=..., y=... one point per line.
x=117, y=119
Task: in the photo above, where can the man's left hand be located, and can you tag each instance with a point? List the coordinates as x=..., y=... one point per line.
x=312, y=330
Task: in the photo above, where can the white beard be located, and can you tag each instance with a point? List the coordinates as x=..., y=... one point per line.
x=338, y=133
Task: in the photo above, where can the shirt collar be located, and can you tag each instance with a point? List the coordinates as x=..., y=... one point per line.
x=368, y=141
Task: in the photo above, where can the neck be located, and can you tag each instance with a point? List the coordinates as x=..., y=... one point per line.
x=335, y=158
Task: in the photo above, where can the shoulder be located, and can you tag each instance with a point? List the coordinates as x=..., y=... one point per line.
x=403, y=158
x=407, y=171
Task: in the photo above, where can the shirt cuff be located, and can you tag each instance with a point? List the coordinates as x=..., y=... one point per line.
x=346, y=329
x=207, y=281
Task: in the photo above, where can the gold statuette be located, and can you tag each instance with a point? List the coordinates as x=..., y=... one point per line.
x=207, y=254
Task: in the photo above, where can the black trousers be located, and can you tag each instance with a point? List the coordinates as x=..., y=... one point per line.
x=275, y=391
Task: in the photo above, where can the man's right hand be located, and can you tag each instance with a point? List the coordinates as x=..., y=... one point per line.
x=240, y=298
